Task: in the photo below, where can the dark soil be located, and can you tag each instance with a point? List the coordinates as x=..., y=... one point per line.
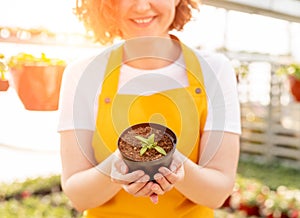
x=130, y=146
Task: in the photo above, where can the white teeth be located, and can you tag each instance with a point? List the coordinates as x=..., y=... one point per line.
x=139, y=21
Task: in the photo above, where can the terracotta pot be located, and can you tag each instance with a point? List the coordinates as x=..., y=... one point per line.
x=4, y=85
x=227, y=202
x=38, y=87
x=151, y=167
x=250, y=210
x=281, y=216
x=295, y=87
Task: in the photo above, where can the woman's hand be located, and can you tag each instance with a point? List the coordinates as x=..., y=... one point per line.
x=167, y=177
x=135, y=183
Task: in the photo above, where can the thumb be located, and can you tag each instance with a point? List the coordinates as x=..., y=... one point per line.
x=121, y=166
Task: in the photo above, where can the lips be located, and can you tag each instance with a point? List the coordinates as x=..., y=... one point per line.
x=143, y=21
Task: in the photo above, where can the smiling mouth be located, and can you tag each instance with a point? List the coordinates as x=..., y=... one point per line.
x=143, y=21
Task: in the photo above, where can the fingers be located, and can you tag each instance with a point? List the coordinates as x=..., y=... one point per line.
x=167, y=177
x=165, y=183
x=145, y=191
x=157, y=189
x=127, y=178
x=176, y=168
x=178, y=161
x=172, y=175
x=119, y=173
x=140, y=188
x=135, y=183
x=154, y=198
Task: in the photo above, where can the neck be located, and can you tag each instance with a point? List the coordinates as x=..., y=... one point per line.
x=151, y=52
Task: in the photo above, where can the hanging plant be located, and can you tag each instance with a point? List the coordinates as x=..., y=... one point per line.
x=25, y=59
x=292, y=71
x=4, y=84
x=37, y=80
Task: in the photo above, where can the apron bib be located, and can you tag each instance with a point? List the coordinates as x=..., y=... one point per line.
x=183, y=110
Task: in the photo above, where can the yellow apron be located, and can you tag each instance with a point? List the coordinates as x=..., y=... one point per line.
x=183, y=110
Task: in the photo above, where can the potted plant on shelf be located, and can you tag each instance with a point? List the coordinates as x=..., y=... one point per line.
x=241, y=71
x=37, y=80
x=248, y=196
x=147, y=147
x=283, y=203
x=4, y=84
x=293, y=73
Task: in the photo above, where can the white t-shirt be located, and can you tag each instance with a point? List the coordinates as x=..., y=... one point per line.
x=82, y=80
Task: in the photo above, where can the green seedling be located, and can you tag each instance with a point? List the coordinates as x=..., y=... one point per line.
x=149, y=143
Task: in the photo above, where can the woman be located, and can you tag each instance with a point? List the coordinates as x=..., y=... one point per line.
x=149, y=75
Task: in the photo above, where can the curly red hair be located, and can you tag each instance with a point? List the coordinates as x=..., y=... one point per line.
x=96, y=16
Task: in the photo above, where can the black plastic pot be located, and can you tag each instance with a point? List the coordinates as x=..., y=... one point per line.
x=151, y=167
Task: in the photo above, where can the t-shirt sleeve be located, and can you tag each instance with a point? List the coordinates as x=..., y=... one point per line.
x=72, y=101
x=221, y=88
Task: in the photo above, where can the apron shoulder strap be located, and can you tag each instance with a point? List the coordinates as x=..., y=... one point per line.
x=114, y=63
x=112, y=70
x=192, y=63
